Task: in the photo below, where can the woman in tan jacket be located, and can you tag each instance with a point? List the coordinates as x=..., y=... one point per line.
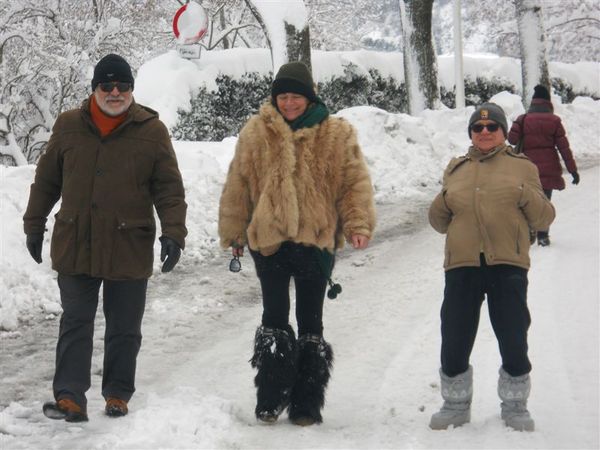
x=297, y=188
x=489, y=200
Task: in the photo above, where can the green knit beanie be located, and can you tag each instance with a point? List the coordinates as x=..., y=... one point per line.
x=294, y=77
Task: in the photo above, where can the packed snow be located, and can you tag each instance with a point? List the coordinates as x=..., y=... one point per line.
x=195, y=387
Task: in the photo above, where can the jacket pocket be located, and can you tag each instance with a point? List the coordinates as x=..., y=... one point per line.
x=133, y=248
x=63, y=247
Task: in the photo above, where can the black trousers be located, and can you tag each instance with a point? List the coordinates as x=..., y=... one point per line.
x=544, y=233
x=506, y=290
x=275, y=272
x=123, y=305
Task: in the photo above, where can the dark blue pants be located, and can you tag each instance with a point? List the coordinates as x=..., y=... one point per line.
x=123, y=304
x=275, y=272
x=506, y=289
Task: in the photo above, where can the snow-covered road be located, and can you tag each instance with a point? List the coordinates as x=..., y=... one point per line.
x=195, y=385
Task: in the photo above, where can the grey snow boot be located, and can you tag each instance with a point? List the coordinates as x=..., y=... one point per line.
x=513, y=392
x=275, y=357
x=457, y=393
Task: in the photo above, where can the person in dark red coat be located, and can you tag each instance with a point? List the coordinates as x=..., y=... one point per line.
x=543, y=135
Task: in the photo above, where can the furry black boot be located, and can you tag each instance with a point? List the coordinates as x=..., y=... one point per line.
x=315, y=360
x=275, y=356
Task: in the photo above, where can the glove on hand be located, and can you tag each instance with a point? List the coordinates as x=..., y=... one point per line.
x=171, y=251
x=34, y=244
x=575, y=176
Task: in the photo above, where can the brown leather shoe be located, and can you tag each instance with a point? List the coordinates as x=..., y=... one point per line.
x=65, y=409
x=115, y=407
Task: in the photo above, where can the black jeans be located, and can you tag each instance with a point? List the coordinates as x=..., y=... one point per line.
x=123, y=304
x=506, y=289
x=544, y=233
x=275, y=271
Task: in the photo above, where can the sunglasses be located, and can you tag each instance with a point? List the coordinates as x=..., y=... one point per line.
x=235, y=265
x=491, y=127
x=110, y=85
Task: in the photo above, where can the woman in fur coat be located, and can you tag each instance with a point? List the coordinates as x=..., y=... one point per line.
x=297, y=188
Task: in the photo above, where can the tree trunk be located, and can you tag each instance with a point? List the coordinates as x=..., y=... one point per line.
x=532, y=40
x=294, y=43
x=459, y=80
x=297, y=44
x=223, y=23
x=420, y=64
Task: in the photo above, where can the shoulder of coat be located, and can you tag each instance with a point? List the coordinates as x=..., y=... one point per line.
x=341, y=123
x=141, y=113
x=71, y=114
x=339, y=128
x=456, y=162
x=268, y=112
x=69, y=120
x=510, y=151
x=253, y=126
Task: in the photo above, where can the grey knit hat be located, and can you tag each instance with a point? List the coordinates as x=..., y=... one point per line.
x=489, y=111
x=294, y=77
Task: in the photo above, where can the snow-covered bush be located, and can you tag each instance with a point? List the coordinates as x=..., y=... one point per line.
x=356, y=88
x=217, y=114
x=214, y=115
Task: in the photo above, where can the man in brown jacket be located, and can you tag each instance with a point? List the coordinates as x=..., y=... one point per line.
x=110, y=162
x=489, y=200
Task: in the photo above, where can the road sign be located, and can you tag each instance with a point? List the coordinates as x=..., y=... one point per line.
x=190, y=23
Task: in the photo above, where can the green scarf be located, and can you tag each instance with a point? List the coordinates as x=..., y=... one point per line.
x=314, y=114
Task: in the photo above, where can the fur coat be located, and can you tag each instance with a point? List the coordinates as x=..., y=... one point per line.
x=308, y=186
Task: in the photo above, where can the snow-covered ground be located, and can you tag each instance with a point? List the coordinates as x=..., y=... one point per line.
x=195, y=384
x=194, y=381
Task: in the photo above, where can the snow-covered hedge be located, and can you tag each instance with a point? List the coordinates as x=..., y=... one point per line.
x=216, y=114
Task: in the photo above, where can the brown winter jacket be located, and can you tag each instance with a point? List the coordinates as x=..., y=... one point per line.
x=105, y=226
x=544, y=134
x=308, y=186
x=487, y=204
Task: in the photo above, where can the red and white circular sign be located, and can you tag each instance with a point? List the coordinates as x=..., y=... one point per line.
x=190, y=23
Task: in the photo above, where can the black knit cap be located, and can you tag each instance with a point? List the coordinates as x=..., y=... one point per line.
x=489, y=111
x=112, y=68
x=540, y=91
x=294, y=77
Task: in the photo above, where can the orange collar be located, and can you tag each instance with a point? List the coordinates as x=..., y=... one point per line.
x=106, y=124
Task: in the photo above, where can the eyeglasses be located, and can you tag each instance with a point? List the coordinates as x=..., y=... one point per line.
x=491, y=127
x=110, y=85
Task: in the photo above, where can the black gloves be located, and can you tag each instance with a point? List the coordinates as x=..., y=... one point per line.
x=171, y=251
x=34, y=245
x=575, y=176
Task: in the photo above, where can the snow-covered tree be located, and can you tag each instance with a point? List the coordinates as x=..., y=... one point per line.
x=231, y=24
x=572, y=28
x=420, y=64
x=48, y=49
x=286, y=29
x=354, y=24
x=459, y=81
x=532, y=39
